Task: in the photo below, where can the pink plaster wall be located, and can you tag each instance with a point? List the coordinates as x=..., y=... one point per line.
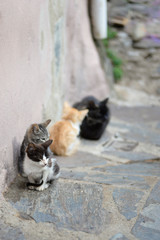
x=32, y=68
x=26, y=44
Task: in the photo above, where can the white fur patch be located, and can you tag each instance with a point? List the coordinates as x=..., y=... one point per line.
x=76, y=126
x=34, y=170
x=32, y=167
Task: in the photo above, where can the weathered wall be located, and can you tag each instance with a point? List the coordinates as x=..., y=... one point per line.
x=31, y=72
x=83, y=71
x=32, y=68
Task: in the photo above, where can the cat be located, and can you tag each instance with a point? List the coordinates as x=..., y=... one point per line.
x=85, y=102
x=65, y=132
x=36, y=133
x=97, y=118
x=38, y=167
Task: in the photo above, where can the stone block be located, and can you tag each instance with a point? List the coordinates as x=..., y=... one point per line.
x=147, y=225
x=10, y=233
x=118, y=236
x=81, y=159
x=136, y=169
x=148, y=42
x=106, y=178
x=127, y=201
x=137, y=30
x=75, y=206
x=131, y=156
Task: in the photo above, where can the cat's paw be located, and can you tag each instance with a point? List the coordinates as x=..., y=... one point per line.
x=42, y=187
x=46, y=185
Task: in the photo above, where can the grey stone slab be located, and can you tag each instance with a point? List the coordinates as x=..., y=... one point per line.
x=152, y=213
x=105, y=178
x=10, y=233
x=144, y=134
x=118, y=236
x=73, y=174
x=122, y=145
x=131, y=156
x=136, y=169
x=75, y=206
x=118, y=11
x=158, y=126
x=148, y=223
x=139, y=114
x=154, y=10
x=146, y=227
x=150, y=42
x=138, y=1
x=140, y=8
x=138, y=133
x=81, y=159
x=127, y=201
x=154, y=197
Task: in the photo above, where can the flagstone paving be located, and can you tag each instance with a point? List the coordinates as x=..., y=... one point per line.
x=109, y=189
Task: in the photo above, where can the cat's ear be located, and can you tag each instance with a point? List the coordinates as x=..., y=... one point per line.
x=46, y=123
x=66, y=105
x=66, y=108
x=30, y=147
x=91, y=105
x=47, y=143
x=104, y=102
x=35, y=128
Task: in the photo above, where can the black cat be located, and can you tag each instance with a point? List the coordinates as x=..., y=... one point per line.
x=97, y=118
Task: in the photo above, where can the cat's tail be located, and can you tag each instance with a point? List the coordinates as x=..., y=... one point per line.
x=34, y=184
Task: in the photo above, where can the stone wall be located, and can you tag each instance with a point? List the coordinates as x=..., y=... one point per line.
x=31, y=72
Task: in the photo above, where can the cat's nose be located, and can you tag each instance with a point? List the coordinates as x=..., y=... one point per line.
x=44, y=163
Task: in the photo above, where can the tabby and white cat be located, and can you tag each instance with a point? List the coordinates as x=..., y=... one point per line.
x=38, y=167
x=65, y=132
x=36, y=133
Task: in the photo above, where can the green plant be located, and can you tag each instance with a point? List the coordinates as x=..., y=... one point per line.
x=105, y=42
x=116, y=61
x=111, y=33
x=117, y=73
x=110, y=53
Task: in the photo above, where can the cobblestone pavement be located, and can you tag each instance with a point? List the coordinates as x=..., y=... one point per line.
x=109, y=190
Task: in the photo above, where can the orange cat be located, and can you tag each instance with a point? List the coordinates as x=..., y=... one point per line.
x=65, y=132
